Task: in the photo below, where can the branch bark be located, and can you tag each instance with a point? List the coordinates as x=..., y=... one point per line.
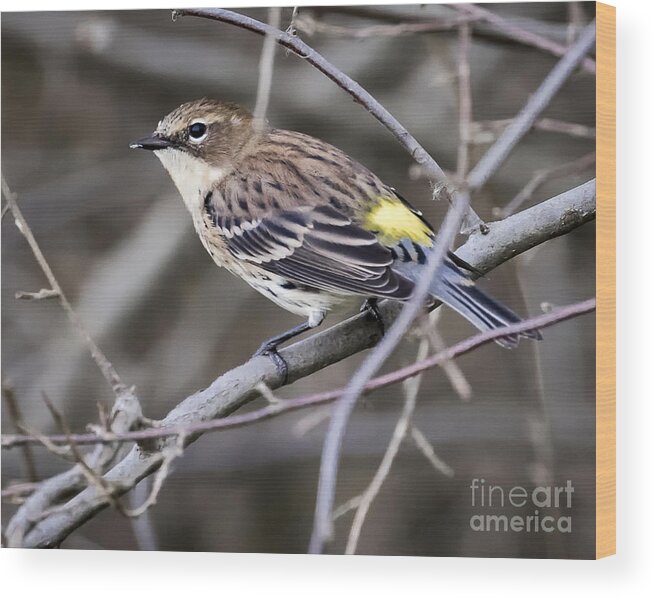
x=232, y=390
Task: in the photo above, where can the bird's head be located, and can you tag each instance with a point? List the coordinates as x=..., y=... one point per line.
x=198, y=143
x=205, y=129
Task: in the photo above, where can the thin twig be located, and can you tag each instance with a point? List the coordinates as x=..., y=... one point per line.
x=266, y=62
x=484, y=132
x=94, y=478
x=546, y=175
x=291, y=29
x=347, y=506
x=42, y=294
x=16, y=492
x=105, y=366
x=17, y=420
x=142, y=525
x=465, y=100
x=400, y=431
x=311, y=26
x=169, y=453
x=428, y=451
x=452, y=371
x=525, y=119
x=518, y=33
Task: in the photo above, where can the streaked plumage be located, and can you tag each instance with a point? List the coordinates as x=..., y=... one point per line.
x=301, y=221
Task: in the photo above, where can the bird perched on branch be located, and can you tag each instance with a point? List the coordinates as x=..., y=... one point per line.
x=302, y=222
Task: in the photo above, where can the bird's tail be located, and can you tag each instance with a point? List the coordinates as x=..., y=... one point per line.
x=455, y=289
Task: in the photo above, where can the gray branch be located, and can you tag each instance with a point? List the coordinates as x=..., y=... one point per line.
x=232, y=390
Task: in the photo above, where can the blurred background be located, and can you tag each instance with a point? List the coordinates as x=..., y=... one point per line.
x=77, y=87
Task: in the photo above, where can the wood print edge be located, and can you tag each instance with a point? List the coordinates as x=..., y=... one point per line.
x=606, y=282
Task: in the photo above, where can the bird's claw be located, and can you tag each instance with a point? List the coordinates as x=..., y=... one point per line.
x=270, y=350
x=371, y=307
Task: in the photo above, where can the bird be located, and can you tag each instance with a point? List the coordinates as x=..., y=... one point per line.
x=305, y=224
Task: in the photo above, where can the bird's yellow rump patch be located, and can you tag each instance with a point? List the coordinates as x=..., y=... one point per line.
x=393, y=220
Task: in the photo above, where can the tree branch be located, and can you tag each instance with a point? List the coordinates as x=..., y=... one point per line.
x=232, y=390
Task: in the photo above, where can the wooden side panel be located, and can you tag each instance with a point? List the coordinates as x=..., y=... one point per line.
x=606, y=282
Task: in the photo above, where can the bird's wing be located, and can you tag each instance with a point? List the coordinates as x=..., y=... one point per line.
x=319, y=247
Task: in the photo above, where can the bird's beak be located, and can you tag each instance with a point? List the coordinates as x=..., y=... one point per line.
x=153, y=142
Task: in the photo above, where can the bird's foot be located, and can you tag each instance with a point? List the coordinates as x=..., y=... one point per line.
x=269, y=349
x=371, y=307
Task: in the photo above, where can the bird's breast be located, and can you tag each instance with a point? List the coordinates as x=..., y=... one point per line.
x=192, y=176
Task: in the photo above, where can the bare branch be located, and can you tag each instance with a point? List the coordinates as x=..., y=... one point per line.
x=126, y=410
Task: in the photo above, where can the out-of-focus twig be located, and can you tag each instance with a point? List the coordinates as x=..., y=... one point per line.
x=525, y=119
x=17, y=420
x=452, y=371
x=545, y=175
x=311, y=26
x=105, y=366
x=42, y=294
x=483, y=132
x=518, y=33
x=266, y=62
x=400, y=431
x=428, y=451
x=465, y=100
x=576, y=20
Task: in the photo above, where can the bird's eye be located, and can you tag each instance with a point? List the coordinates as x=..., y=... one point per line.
x=197, y=131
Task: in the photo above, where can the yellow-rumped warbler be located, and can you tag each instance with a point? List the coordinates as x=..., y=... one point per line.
x=302, y=222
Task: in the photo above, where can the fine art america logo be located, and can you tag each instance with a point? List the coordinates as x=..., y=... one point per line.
x=518, y=509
